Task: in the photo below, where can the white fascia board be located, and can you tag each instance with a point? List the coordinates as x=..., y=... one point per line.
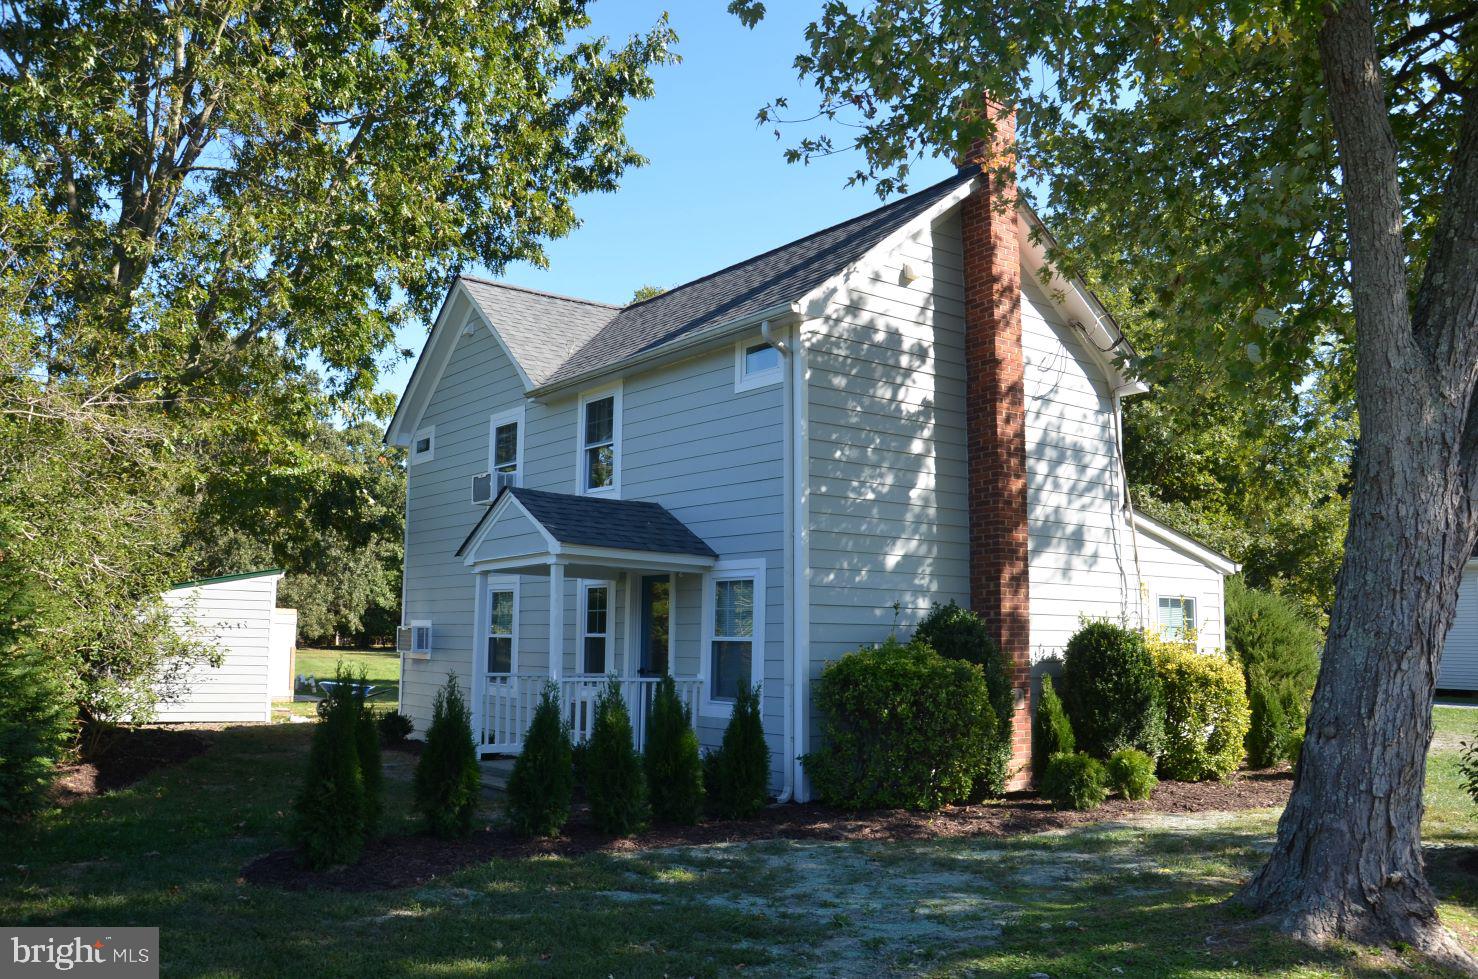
x=1188, y=546
x=814, y=303
x=677, y=350
x=441, y=344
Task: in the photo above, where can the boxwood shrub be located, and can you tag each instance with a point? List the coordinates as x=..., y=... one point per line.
x=958, y=633
x=1206, y=715
x=901, y=727
x=1112, y=692
x=1076, y=781
x=1131, y=773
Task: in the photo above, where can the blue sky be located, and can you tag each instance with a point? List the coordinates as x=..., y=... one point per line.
x=717, y=188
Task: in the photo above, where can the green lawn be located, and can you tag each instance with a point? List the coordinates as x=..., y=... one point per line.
x=1140, y=898
x=381, y=667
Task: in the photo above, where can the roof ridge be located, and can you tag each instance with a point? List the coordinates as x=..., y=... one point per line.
x=814, y=234
x=482, y=280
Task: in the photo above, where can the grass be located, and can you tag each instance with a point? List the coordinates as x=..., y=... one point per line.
x=1137, y=899
x=381, y=668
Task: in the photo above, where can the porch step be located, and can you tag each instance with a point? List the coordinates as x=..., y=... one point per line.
x=495, y=774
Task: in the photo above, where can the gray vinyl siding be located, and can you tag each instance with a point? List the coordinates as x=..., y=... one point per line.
x=712, y=456
x=1459, y=668
x=888, y=515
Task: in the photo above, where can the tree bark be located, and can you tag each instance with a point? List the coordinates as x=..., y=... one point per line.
x=1347, y=862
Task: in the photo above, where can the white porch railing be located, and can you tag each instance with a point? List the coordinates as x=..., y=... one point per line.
x=509, y=701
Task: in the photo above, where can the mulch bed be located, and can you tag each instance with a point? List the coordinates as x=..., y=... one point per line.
x=128, y=756
x=406, y=861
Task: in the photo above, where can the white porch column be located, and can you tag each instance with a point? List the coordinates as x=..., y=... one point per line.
x=480, y=629
x=556, y=620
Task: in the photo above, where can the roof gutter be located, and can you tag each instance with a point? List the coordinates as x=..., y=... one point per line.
x=668, y=351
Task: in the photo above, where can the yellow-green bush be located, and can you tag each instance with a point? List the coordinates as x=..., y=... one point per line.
x=1206, y=713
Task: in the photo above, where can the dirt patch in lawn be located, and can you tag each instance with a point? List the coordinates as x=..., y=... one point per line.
x=407, y=861
x=127, y=757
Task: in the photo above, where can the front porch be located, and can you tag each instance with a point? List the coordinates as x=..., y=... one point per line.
x=580, y=592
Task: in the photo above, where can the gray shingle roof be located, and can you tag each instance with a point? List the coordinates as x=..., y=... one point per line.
x=592, y=521
x=558, y=339
x=542, y=330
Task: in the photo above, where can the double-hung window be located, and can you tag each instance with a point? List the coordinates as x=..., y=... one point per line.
x=600, y=443
x=1177, y=615
x=595, y=628
x=506, y=449
x=502, y=627
x=735, y=622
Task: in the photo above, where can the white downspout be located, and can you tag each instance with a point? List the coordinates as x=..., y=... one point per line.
x=787, y=791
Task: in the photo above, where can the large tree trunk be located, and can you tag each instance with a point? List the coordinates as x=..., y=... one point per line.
x=1348, y=860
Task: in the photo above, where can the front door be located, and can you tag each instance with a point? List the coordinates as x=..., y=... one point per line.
x=656, y=611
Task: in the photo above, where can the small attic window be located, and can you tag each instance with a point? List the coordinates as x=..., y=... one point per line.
x=756, y=365
x=423, y=446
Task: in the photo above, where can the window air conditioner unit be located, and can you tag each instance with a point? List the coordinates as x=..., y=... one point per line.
x=413, y=638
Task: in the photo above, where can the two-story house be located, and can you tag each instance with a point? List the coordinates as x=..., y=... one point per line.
x=758, y=471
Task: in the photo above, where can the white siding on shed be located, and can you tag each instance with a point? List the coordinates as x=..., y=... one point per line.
x=1459, y=669
x=235, y=617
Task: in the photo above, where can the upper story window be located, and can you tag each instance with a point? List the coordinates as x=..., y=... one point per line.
x=423, y=446
x=506, y=449
x=1177, y=615
x=757, y=364
x=599, y=465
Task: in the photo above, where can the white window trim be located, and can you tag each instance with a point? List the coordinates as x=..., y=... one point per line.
x=415, y=653
x=429, y=454
x=515, y=415
x=614, y=490
x=759, y=379
x=582, y=600
x=753, y=569
x=492, y=585
x=1165, y=630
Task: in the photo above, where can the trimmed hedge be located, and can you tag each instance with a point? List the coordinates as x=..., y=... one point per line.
x=543, y=777
x=1052, y=732
x=902, y=727
x=737, y=775
x=673, y=762
x=1206, y=715
x=447, y=780
x=1076, y=781
x=958, y=633
x=1112, y=691
x=1131, y=773
x=615, y=784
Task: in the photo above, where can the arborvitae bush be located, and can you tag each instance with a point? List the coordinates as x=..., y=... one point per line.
x=1205, y=714
x=1267, y=733
x=615, y=784
x=1269, y=633
x=330, y=824
x=447, y=779
x=958, y=633
x=371, y=770
x=1077, y=781
x=674, y=767
x=1052, y=733
x=1131, y=773
x=36, y=714
x=738, y=774
x=1112, y=692
x=901, y=727
x=543, y=777
x=1293, y=738
x=395, y=728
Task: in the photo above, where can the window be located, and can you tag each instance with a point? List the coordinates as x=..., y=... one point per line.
x=1177, y=614
x=595, y=618
x=423, y=446
x=505, y=449
x=757, y=364
x=502, y=624
x=735, y=623
x=599, y=465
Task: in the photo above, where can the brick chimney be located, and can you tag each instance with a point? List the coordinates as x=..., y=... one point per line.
x=996, y=421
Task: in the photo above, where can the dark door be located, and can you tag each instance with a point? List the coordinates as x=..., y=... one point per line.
x=656, y=601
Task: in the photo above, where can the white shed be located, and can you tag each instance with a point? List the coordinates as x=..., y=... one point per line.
x=238, y=615
x=1459, y=669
